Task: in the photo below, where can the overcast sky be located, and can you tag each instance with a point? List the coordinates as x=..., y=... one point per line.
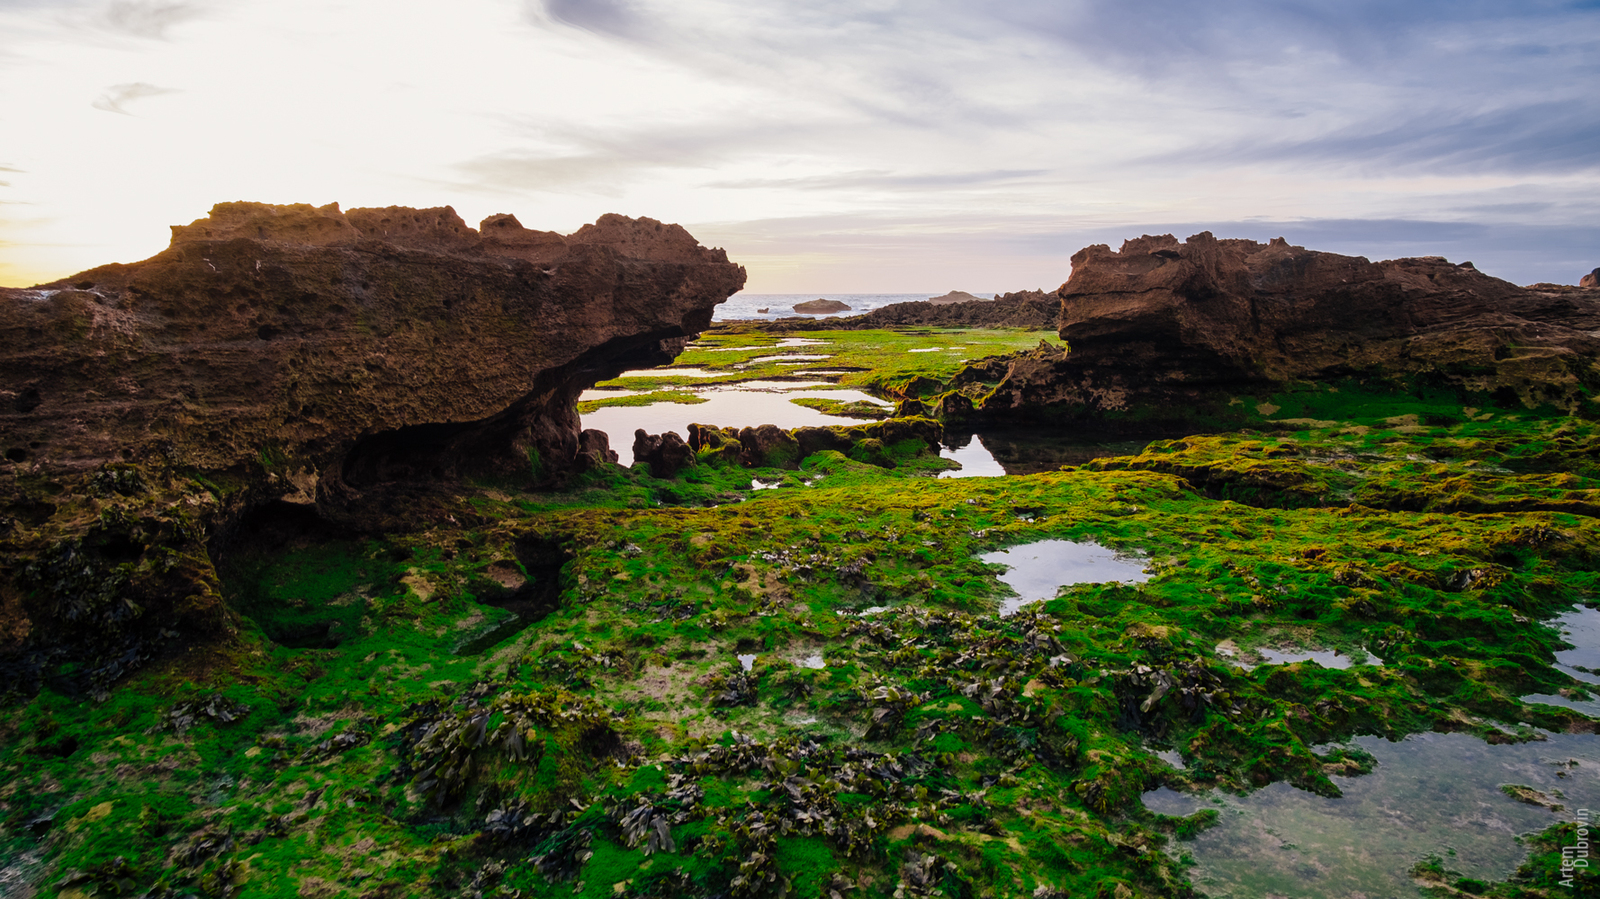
x=860, y=146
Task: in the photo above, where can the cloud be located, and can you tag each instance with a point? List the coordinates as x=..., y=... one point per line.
x=609, y=17
x=882, y=180
x=524, y=171
x=119, y=94
x=146, y=18
x=1549, y=137
x=1471, y=85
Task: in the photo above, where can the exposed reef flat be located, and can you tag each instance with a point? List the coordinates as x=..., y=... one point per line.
x=358, y=360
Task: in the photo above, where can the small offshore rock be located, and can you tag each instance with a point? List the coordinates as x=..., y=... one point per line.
x=820, y=306
x=956, y=296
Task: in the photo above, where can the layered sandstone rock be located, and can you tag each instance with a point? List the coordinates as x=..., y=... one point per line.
x=352, y=358
x=1171, y=329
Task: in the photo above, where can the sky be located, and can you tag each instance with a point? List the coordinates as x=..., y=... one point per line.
x=871, y=146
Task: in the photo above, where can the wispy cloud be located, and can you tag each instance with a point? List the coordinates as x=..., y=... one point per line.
x=908, y=133
x=883, y=180
x=117, y=96
x=1554, y=137
x=611, y=17
x=147, y=18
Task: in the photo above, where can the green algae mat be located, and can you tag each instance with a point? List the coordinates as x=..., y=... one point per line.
x=692, y=688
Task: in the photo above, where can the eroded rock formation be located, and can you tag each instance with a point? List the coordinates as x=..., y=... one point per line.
x=350, y=358
x=1169, y=329
x=769, y=446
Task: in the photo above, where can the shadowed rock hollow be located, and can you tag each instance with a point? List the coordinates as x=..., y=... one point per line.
x=1176, y=328
x=355, y=358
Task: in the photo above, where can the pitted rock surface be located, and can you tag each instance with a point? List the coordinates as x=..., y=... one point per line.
x=350, y=358
x=1164, y=325
x=318, y=336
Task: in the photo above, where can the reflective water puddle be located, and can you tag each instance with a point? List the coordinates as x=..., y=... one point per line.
x=1037, y=571
x=730, y=408
x=975, y=459
x=1429, y=794
x=784, y=343
x=1327, y=658
x=1581, y=628
x=789, y=357
x=674, y=372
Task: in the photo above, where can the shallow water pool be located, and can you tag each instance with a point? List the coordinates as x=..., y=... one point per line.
x=1037, y=571
x=975, y=459
x=1581, y=627
x=722, y=408
x=1429, y=794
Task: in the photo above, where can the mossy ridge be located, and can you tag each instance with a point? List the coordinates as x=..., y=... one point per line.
x=640, y=399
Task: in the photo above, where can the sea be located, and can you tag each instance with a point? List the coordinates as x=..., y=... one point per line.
x=745, y=306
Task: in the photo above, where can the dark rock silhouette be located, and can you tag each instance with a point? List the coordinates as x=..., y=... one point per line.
x=666, y=454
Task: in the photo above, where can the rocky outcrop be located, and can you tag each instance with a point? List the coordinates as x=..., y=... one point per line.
x=351, y=359
x=1167, y=330
x=1590, y=280
x=769, y=446
x=666, y=454
x=956, y=296
x=1021, y=309
x=820, y=307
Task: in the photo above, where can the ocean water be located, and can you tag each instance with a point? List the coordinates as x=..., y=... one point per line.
x=743, y=306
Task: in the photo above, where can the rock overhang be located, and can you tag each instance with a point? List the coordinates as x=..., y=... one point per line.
x=356, y=359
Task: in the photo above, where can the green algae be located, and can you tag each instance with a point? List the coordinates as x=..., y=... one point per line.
x=616, y=746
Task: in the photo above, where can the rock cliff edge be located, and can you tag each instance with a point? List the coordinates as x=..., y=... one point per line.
x=352, y=359
x=1173, y=329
